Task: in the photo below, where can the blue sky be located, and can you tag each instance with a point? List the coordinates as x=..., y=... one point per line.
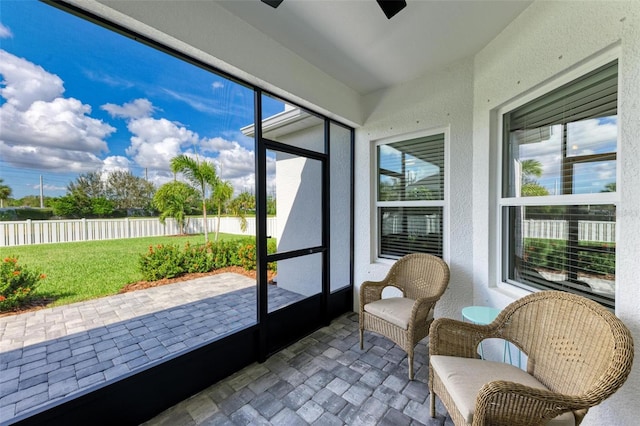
x=76, y=97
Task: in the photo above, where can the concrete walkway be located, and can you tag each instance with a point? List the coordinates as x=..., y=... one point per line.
x=51, y=355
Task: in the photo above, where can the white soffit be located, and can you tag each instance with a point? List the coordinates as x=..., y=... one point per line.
x=354, y=42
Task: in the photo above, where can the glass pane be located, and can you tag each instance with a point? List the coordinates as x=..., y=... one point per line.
x=93, y=110
x=563, y=248
x=594, y=176
x=405, y=230
x=534, y=162
x=291, y=125
x=296, y=184
x=595, y=136
x=573, y=158
x=411, y=170
x=297, y=279
x=340, y=202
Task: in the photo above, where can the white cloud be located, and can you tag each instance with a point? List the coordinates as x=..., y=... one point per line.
x=43, y=130
x=40, y=128
x=42, y=158
x=47, y=187
x=217, y=85
x=138, y=108
x=61, y=123
x=26, y=82
x=116, y=163
x=236, y=164
x=233, y=160
x=592, y=136
x=5, y=32
x=156, y=141
x=584, y=137
x=51, y=187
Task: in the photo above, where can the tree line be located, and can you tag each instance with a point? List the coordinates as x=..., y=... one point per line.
x=120, y=194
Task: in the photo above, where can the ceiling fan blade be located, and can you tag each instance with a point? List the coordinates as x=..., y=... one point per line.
x=272, y=3
x=391, y=7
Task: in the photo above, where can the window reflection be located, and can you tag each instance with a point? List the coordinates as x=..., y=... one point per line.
x=411, y=170
x=574, y=158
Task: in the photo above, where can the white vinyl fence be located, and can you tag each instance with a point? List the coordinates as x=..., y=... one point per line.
x=602, y=232
x=17, y=233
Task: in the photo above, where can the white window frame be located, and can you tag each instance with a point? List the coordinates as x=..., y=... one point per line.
x=550, y=200
x=375, y=204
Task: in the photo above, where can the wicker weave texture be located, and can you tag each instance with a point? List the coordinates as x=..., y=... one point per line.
x=579, y=350
x=420, y=277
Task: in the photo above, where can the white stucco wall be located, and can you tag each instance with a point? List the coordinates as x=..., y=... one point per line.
x=548, y=41
x=299, y=211
x=442, y=99
x=340, y=205
x=298, y=196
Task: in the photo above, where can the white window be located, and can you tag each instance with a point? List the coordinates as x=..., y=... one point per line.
x=558, y=204
x=410, y=196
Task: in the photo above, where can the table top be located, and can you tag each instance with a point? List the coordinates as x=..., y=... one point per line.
x=480, y=314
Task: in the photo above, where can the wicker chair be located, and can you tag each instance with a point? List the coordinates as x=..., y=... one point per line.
x=578, y=352
x=422, y=278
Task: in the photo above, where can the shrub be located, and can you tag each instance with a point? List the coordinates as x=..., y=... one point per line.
x=226, y=253
x=602, y=261
x=248, y=258
x=272, y=247
x=162, y=261
x=247, y=255
x=16, y=284
x=168, y=261
x=198, y=258
x=552, y=254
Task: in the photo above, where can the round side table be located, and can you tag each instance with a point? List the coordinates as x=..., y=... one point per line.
x=484, y=315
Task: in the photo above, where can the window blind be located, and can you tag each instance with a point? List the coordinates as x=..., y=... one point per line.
x=593, y=95
x=411, y=170
x=563, y=144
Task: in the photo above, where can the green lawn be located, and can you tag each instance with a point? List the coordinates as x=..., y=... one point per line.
x=86, y=270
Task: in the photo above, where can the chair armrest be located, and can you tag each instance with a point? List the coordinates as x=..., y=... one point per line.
x=421, y=309
x=370, y=291
x=502, y=402
x=457, y=338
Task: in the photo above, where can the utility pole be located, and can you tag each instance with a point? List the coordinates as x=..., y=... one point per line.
x=41, y=194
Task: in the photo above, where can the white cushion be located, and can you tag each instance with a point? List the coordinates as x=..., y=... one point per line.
x=463, y=378
x=396, y=310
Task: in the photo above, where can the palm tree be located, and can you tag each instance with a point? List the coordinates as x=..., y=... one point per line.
x=5, y=192
x=222, y=193
x=610, y=187
x=174, y=199
x=201, y=175
x=241, y=205
x=530, y=169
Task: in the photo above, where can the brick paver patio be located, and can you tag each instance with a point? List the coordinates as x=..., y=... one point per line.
x=324, y=379
x=50, y=355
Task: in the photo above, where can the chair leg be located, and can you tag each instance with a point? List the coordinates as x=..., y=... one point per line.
x=410, y=361
x=361, y=339
x=432, y=396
